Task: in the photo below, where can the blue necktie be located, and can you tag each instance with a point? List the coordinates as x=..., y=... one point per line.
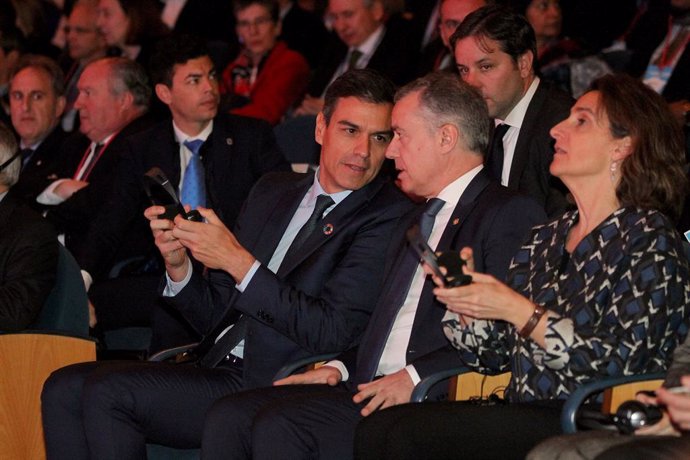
x=375, y=338
x=194, y=184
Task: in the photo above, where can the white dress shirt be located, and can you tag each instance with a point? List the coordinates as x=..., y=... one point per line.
x=514, y=120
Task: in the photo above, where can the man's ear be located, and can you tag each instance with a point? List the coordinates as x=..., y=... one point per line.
x=320, y=128
x=163, y=93
x=525, y=64
x=448, y=137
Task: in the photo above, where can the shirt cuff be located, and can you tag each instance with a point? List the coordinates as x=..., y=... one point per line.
x=48, y=196
x=248, y=277
x=344, y=374
x=172, y=288
x=414, y=375
x=88, y=280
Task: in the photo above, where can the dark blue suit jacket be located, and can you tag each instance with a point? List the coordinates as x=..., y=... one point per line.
x=490, y=219
x=320, y=300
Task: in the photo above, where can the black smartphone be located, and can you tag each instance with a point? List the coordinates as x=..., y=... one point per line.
x=451, y=260
x=161, y=193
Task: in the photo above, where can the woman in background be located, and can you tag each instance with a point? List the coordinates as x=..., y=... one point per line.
x=267, y=78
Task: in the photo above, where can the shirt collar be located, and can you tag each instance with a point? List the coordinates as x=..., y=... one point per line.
x=452, y=192
x=317, y=190
x=517, y=115
x=368, y=46
x=182, y=137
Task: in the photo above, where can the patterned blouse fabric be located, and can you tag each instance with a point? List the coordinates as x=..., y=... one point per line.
x=617, y=305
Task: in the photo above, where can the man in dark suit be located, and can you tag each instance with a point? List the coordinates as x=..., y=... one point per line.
x=236, y=151
x=361, y=40
x=36, y=105
x=495, y=51
x=113, y=96
x=300, y=270
x=438, y=150
x=28, y=248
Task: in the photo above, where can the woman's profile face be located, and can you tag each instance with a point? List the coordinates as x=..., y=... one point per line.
x=256, y=29
x=584, y=145
x=112, y=22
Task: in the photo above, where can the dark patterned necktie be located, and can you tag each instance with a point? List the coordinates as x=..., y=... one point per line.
x=494, y=162
x=355, y=54
x=323, y=202
x=374, y=341
x=194, y=183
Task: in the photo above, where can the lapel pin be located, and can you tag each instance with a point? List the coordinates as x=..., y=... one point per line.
x=228, y=140
x=328, y=229
x=39, y=163
x=456, y=221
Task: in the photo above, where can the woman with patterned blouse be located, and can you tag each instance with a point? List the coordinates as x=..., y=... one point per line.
x=601, y=291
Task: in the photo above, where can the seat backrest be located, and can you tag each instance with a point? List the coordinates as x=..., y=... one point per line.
x=471, y=385
x=66, y=309
x=26, y=361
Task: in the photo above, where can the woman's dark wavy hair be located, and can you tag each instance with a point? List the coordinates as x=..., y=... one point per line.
x=653, y=175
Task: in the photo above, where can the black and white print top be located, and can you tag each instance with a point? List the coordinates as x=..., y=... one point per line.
x=618, y=305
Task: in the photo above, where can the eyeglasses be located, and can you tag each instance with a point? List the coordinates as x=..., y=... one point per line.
x=258, y=22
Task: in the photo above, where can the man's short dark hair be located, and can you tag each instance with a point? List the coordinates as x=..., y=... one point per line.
x=365, y=84
x=173, y=50
x=446, y=99
x=513, y=33
x=45, y=64
x=270, y=5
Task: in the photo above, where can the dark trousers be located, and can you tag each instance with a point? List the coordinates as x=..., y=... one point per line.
x=455, y=430
x=287, y=422
x=109, y=410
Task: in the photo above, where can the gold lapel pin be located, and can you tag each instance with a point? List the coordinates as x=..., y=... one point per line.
x=328, y=229
x=456, y=221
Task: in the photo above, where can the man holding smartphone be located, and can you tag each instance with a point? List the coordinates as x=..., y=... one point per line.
x=441, y=130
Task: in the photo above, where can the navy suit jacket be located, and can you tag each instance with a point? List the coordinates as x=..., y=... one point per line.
x=320, y=299
x=529, y=172
x=490, y=219
x=41, y=169
x=74, y=216
x=236, y=154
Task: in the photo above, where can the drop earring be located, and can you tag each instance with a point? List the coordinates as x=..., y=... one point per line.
x=613, y=169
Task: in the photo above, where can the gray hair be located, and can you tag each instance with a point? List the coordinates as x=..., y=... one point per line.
x=129, y=76
x=448, y=100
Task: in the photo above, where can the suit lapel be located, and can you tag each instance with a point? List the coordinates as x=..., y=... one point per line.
x=272, y=231
x=448, y=240
x=521, y=155
x=332, y=224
